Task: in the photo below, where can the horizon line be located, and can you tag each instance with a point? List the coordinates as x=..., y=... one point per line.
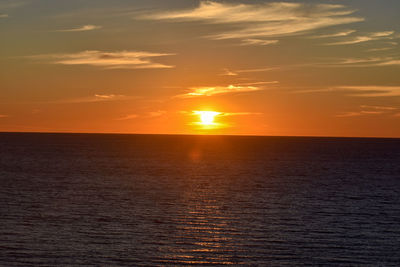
x=213, y=135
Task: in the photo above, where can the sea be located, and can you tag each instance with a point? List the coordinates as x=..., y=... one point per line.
x=176, y=200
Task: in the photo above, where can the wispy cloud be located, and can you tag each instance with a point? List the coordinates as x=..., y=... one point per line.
x=258, y=42
x=227, y=72
x=257, y=83
x=108, y=97
x=365, y=38
x=380, y=49
x=358, y=113
x=337, y=34
x=151, y=114
x=3, y=16
x=392, y=62
x=95, y=98
x=81, y=29
x=359, y=62
x=108, y=60
x=128, y=117
x=283, y=28
x=368, y=110
x=370, y=90
x=256, y=70
x=372, y=61
x=3, y=116
x=263, y=20
x=386, y=108
x=217, y=90
x=336, y=62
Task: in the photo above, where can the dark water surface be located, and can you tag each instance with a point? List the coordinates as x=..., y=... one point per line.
x=129, y=200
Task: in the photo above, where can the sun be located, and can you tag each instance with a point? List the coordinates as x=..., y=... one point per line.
x=207, y=117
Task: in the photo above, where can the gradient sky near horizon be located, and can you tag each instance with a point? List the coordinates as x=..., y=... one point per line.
x=316, y=68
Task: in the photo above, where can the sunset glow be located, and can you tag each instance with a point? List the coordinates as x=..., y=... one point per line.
x=199, y=132
x=292, y=68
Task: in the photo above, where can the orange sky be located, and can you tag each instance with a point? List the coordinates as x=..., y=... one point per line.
x=317, y=68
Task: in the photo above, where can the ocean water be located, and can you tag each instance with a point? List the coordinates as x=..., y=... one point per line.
x=154, y=200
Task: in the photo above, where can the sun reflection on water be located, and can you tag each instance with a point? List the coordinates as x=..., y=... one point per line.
x=204, y=230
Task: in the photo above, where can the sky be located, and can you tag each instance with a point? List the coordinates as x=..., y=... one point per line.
x=291, y=68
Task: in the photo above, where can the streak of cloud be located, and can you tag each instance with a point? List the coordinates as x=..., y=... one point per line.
x=128, y=117
x=365, y=38
x=257, y=83
x=82, y=28
x=263, y=20
x=228, y=72
x=108, y=60
x=337, y=34
x=358, y=113
x=393, y=62
x=258, y=42
x=368, y=110
x=151, y=114
x=379, y=49
x=386, y=108
x=370, y=90
x=358, y=62
x=217, y=90
x=95, y=98
x=257, y=70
